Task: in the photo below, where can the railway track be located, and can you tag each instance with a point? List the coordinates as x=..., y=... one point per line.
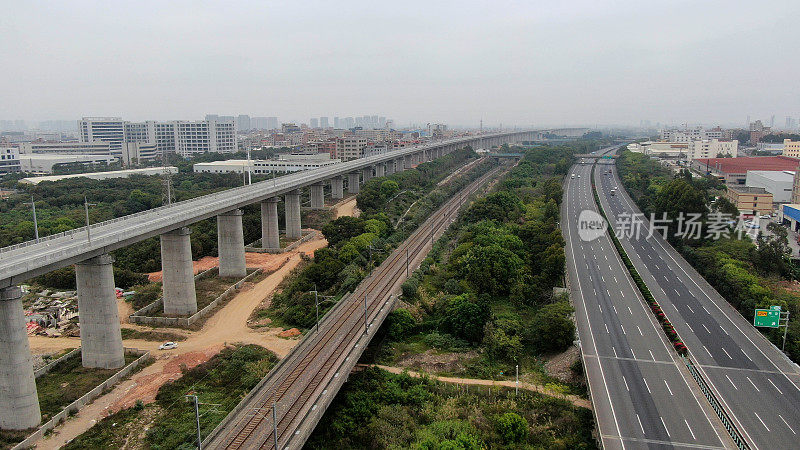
x=309, y=375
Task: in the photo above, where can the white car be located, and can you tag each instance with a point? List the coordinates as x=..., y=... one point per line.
x=168, y=346
x=766, y=216
x=579, y=176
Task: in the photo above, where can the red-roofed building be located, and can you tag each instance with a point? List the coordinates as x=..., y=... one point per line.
x=734, y=170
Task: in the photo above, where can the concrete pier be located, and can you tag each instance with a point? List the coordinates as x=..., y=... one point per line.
x=101, y=338
x=180, y=298
x=390, y=167
x=337, y=187
x=293, y=227
x=19, y=402
x=270, y=236
x=366, y=174
x=352, y=183
x=230, y=244
x=400, y=164
x=380, y=170
x=317, y=196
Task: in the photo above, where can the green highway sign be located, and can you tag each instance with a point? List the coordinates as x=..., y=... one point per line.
x=767, y=318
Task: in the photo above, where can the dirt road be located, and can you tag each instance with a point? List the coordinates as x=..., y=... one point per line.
x=575, y=400
x=227, y=326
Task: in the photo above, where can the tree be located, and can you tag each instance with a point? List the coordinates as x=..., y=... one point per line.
x=502, y=206
x=491, y=269
x=511, y=427
x=552, y=329
x=400, y=323
x=342, y=229
x=389, y=188
x=464, y=318
x=773, y=251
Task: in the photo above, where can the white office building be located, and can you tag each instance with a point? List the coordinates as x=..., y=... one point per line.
x=9, y=160
x=686, y=135
x=44, y=163
x=66, y=148
x=712, y=148
x=103, y=129
x=779, y=183
x=185, y=138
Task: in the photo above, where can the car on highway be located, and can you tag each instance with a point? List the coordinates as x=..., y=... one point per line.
x=168, y=345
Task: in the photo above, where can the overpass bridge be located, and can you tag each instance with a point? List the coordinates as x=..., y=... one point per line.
x=88, y=248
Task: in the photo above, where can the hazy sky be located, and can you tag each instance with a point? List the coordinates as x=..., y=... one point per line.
x=519, y=63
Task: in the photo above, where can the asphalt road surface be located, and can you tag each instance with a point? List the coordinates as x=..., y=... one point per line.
x=757, y=385
x=642, y=398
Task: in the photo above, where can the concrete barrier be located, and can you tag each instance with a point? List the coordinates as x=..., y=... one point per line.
x=308, y=234
x=87, y=398
x=43, y=370
x=141, y=316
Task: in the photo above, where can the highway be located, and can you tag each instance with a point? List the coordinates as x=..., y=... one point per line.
x=29, y=259
x=642, y=397
x=757, y=385
x=306, y=381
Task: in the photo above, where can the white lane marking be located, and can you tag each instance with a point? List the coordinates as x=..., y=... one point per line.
x=658, y=268
x=726, y=352
x=754, y=385
x=704, y=326
x=709, y=353
x=615, y=351
x=640, y=423
x=729, y=379
x=726, y=331
x=606, y=325
x=615, y=279
x=626, y=383
x=601, y=308
x=677, y=293
x=646, y=385
x=690, y=429
x=621, y=294
x=632, y=353
x=690, y=309
x=602, y=279
x=608, y=293
x=784, y=421
x=590, y=278
x=776, y=387
x=762, y=422
x=690, y=328
x=595, y=292
x=707, y=311
x=745, y=354
x=665, y=426
x=640, y=330
x=670, y=390
x=651, y=355
x=629, y=310
x=615, y=309
x=623, y=329
x=594, y=343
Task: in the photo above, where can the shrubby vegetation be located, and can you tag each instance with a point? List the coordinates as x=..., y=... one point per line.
x=488, y=282
x=376, y=409
x=748, y=274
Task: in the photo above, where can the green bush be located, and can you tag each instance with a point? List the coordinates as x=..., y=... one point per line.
x=511, y=427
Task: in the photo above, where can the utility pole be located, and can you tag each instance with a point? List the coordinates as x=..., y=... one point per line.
x=166, y=180
x=316, y=304
x=35, y=221
x=86, y=206
x=197, y=419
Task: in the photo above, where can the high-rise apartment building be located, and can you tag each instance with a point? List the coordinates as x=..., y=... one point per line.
x=323, y=122
x=712, y=148
x=313, y=122
x=243, y=122
x=336, y=122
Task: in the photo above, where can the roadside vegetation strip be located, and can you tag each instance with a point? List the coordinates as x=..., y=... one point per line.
x=669, y=330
